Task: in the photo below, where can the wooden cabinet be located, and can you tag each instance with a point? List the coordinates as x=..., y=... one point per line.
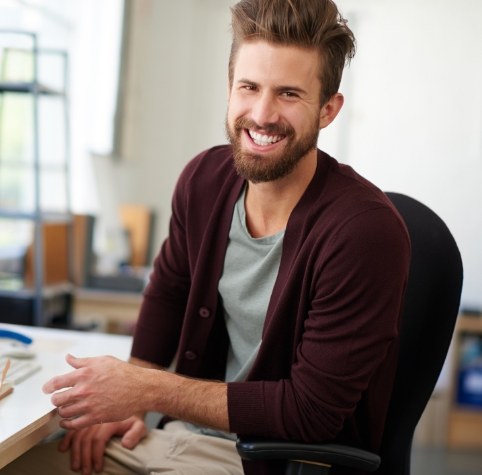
x=112, y=312
x=464, y=420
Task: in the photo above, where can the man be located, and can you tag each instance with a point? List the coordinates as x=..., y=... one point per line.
x=278, y=290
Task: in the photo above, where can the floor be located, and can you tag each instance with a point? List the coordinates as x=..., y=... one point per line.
x=437, y=461
x=429, y=453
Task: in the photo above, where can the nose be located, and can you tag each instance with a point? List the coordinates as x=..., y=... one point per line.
x=264, y=110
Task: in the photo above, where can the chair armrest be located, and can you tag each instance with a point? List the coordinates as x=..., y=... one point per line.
x=330, y=454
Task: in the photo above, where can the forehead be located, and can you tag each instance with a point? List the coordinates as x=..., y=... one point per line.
x=277, y=64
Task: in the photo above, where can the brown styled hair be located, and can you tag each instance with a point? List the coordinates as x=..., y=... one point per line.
x=313, y=24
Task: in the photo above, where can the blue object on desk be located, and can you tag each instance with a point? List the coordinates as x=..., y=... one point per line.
x=15, y=336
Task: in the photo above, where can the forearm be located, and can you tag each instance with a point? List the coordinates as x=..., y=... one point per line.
x=105, y=389
x=143, y=364
x=196, y=401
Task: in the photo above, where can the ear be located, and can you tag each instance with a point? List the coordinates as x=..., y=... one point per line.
x=330, y=110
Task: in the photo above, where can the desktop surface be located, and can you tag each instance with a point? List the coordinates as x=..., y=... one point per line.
x=27, y=415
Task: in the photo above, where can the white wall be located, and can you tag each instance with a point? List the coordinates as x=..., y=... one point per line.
x=175, y=97
x=415, y=113
x=412, y=120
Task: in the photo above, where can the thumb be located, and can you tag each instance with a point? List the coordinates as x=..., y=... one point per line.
x=134, y=434
x=75, y=362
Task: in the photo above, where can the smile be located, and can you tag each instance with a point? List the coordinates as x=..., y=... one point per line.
x=264, y=140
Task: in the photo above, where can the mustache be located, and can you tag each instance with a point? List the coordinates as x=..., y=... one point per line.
x=270, y=128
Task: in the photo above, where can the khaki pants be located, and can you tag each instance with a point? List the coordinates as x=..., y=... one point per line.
x=173, y=450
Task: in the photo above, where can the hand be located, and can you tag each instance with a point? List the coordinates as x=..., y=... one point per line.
x=87, y=446
x=100, y=389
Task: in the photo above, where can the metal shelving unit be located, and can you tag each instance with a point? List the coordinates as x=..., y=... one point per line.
x=33, y=88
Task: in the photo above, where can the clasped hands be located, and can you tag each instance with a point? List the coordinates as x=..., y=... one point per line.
x=105, y=397
x=100, y=389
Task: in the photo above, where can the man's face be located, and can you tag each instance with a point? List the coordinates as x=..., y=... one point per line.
x=273, y=117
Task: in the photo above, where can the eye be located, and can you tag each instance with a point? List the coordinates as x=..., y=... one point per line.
x=248, y=87
x=290, y=94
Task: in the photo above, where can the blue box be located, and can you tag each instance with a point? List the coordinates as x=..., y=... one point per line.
x=470, y=387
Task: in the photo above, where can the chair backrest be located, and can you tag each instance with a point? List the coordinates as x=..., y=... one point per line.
x=430, y=312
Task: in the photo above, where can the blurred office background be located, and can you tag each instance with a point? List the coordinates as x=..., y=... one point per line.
x=147, y=89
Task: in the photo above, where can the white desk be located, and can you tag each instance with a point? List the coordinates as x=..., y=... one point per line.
x=26, y=415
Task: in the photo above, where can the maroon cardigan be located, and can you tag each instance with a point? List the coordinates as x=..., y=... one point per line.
x=325, y=368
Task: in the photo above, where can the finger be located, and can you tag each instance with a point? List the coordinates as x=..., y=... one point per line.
x=102, y=436
x=66, y=400
x=66, y=441
x=66, y=380
x=69, y=412
x=86, y=452
x=78, y=423
x=76, y=450
x=134, y=434
x=63, y=381
x=81, y=441
x=76, y=362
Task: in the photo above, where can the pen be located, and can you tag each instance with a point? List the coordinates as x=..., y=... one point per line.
x=4, y=373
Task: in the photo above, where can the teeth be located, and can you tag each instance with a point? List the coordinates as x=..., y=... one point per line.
x=264, y=140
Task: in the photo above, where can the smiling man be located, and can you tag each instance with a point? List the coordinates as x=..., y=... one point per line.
x=274, y=113
x=277, y=292
x=274, y=110
x=274, y=117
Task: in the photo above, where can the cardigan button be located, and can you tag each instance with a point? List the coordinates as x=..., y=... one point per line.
x=190, y=355
x=204, y=312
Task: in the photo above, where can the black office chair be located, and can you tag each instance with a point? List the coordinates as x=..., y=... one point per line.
x=431, y=307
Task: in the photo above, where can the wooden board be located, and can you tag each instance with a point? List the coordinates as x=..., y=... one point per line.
x=55, y=255
x=137, y=220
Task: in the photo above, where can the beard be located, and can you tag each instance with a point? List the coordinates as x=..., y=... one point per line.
x=258, y=168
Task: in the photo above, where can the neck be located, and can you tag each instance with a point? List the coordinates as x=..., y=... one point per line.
x=269, y=205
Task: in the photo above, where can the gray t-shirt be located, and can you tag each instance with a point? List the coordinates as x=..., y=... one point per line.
x=250, y=269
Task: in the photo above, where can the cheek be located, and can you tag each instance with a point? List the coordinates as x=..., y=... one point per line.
x=306, y=120
x=230, y=119
x=238, y=106
x=233, y=114
x=295, y=120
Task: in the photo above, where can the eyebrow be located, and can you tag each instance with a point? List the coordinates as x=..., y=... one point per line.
x=246, y=81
